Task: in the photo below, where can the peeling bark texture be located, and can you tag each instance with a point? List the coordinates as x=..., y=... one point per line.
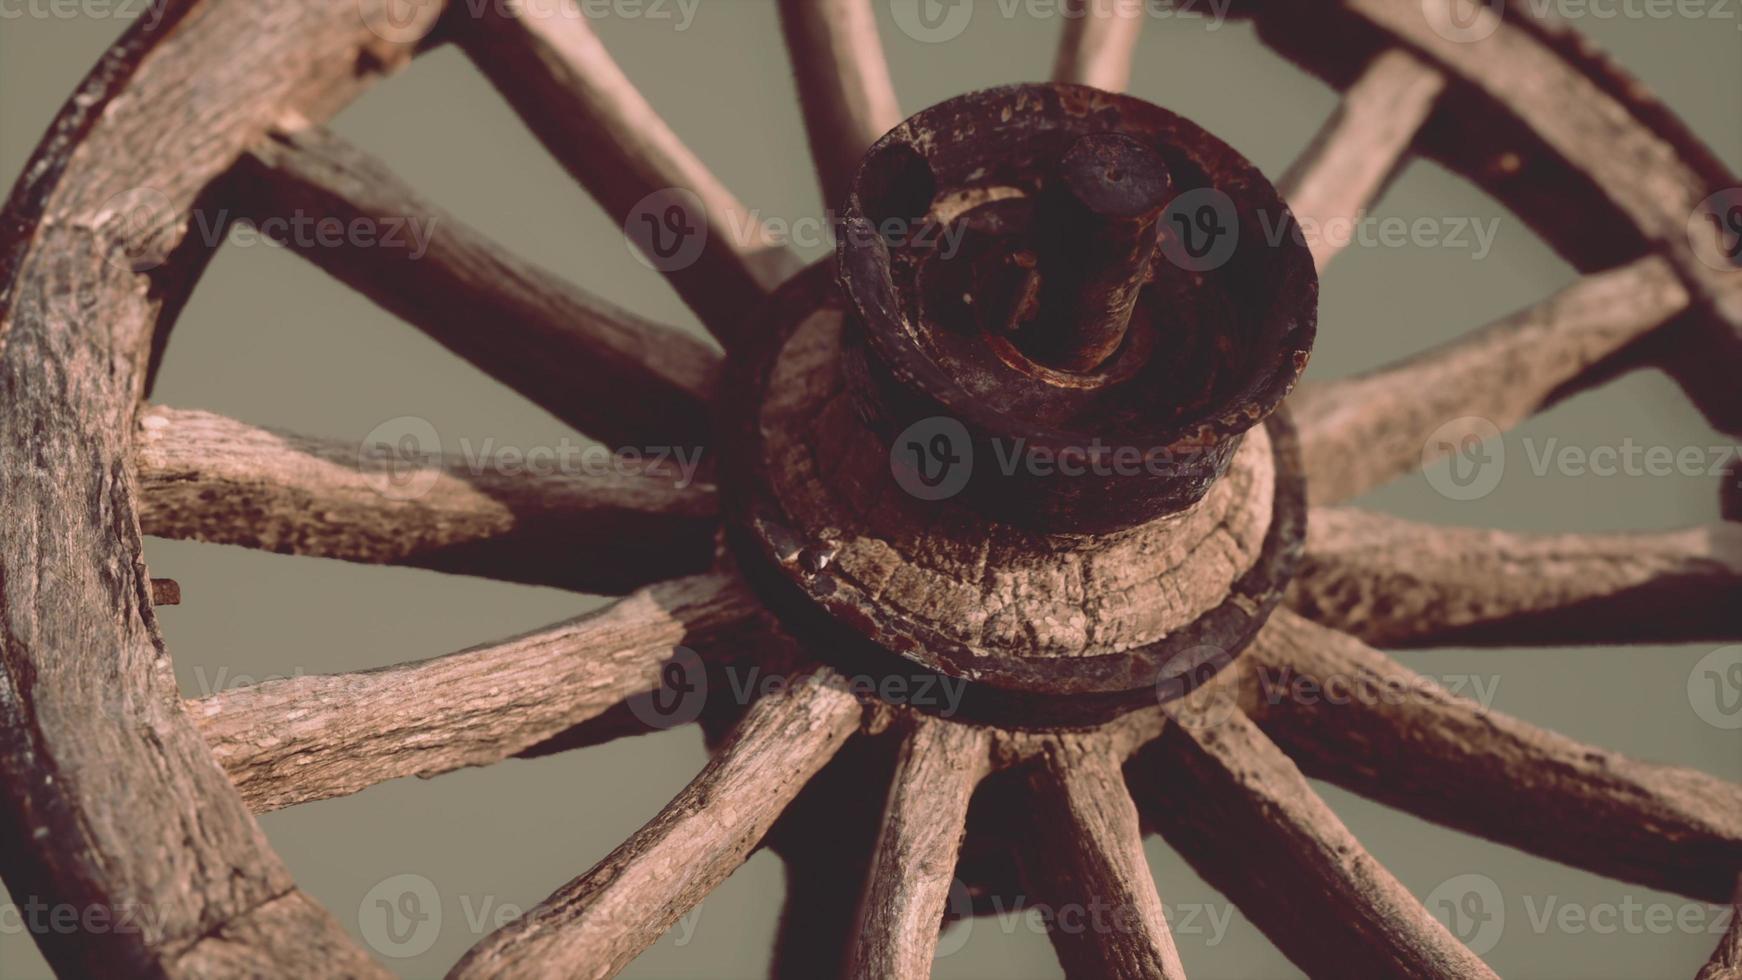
x=1392, y=582
x=609, y=373
x=1361, y=148
x=109, y=799
x=597, y=923
x=556, y=73
x=1360, y=432
x=1726, y=961
x=314, y=737
x=843, y=85
x=1099, y=39
x=1087, y=851
x=1234, y=806
x=208, y=478
x=915, y=863
x=1348, y=714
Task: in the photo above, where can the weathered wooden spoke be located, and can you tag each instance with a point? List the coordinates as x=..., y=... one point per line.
x=1085, y=855
x=1359, y=432
x=1726, y=961
x=557, y=74
x=647, y=384
x=1347, y=713
x=313, y=737
x=600, y=921
x=1235, y=807
x=915, y=862
x=1360, y=149
x=609, y=527
x=1099, y=39
x=1393, y=582
x=843, y=84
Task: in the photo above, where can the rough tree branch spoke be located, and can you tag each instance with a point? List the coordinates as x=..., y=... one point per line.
x=1393, y=582
x=607, y=529
x=1097, y=44
x=1349, y=714
x=1234, y=806
x=1087, y=854
x=600, y=921
x=1726, y=961
x=1359, y=432
x=550, y=65
x=603, y=370
x=843, y=83
x=317, y=736
x=915, y=862
x=1360, y=148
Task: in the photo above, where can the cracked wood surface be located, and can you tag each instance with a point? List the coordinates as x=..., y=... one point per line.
x=1235, y=807
x=843, y=85
x=314, y=737
x=914, y=863
x=1393, y=582
x=1357, y=433
x=1351, y=715
x=613, y=375
x=208, y=478
x=598, y=922
x=557, y=75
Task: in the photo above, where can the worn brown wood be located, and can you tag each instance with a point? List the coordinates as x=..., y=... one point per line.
x=556, y=73
x=1348, y=714
x=914, y=865
x=1726, y=961
x=1393, y=582
x=598, y=922
x=1229, y=801
x=108, y=798
x=1359, y=432
x=1360, y=148
x=1098, y=41
x=607, y=372
x=165, y=592
x=843, y=84
x=1085, y=857
x=610, y=527
x=317, y=736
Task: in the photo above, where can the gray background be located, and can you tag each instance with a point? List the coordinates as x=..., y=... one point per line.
x=271, y=340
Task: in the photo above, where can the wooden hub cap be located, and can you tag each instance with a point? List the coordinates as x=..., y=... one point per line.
x=1013, y=434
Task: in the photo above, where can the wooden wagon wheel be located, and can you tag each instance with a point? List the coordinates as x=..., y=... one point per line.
x=112, y=797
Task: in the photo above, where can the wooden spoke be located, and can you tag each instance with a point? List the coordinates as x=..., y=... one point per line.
x=941, y=762
x=1234, y=806
x=1726, y=961
x=1393, y=582
x=1349, y=714
x=1087, y=857
x=1098, y=41
x=603, y=370
x=557, y=74
x=608, y=527
x=843, y=84
x=319, y=736
x=600, y=921
x=1360, y=148
x=1359, y=432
